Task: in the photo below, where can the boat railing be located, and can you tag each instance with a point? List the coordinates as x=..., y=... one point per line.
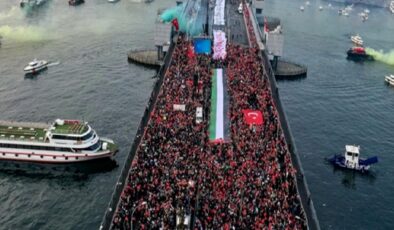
x=25, y=124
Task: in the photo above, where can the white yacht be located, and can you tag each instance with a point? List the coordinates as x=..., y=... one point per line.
x=36, y=66
x=357, y=40
x=64, y=141
x=392, y=7
x=389, y=79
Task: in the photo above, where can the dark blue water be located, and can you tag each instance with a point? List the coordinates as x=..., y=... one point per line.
x=93, y=82
x=339, y=103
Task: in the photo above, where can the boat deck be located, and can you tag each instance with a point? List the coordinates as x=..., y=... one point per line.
x=77, y=128
x=22, y=133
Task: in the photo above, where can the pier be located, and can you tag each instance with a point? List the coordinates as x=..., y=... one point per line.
x=144, y=57
x=179, y=177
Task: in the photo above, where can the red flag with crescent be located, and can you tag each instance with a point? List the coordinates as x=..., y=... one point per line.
x=253, y=117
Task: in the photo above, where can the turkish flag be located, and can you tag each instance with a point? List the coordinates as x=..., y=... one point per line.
x=253, y=117
x=175, y=24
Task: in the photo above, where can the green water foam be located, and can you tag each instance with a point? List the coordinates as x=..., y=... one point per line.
x=387, y=58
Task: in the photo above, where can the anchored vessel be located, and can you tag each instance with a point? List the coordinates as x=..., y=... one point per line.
x=31, y=3
x=389, y=79
x=392, y=7
x=352, y=160
x=358, y=54
x=64, y=141
x=75, y=2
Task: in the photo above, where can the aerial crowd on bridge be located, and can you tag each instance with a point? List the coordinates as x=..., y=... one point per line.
x=179, y=177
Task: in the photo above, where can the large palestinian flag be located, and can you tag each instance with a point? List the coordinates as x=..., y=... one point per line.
x=219, y=122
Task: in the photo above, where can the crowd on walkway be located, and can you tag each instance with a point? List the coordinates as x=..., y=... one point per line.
x=247, y=183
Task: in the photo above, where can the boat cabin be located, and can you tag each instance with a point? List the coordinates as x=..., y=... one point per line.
x=352, y=155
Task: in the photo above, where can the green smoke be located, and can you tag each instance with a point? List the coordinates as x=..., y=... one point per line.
x=22, y=33
x=387, y=58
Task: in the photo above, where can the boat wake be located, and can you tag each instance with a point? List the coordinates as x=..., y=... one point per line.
x=53, y=63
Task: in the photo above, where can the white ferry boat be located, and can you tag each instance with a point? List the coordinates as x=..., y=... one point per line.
x=357, y=40
x=64, y=141
x=389, y=79
x=392, y=7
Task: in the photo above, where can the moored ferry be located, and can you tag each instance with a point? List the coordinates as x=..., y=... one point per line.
x=63, y=141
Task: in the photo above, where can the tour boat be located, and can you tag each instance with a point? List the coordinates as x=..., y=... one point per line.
x=75, y=2
x=389, y=79
x=357, y=40
x=358, y=54
x=63, y=141
x=36, y=66
x=392, y=7
x=351, y=159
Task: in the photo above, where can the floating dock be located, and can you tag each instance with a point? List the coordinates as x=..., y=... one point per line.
x=144, y=57
x=290, y=71
x=179, y=177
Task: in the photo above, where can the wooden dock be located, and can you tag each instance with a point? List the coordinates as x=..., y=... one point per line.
x=288, y=70
x=144, y=57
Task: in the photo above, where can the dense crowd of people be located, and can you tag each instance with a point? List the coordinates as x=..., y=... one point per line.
x=177, y=174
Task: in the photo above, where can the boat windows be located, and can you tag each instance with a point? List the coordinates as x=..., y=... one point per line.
x=18, y=146
x=84, y=138
x=91, y=148
x=349, y=154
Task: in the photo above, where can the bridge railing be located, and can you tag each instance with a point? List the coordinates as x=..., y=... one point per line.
x=106, y=222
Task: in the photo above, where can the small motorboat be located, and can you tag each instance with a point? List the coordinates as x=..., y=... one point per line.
x=351, y=159
x=240, y=8
x=35, y=66
x=113, y=1
x=392, y=7
x=302, y=8
x=357, y=40
x=389, y=79
x=358, y=53
x=75, y=2
x=307, y=3
x=320, y=8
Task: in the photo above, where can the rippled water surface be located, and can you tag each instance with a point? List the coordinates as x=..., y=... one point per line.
x=340, y=102
x=93, y=82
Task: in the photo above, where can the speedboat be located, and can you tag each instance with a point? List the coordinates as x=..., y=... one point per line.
x=36, y=66
x=357, y=40
x=358, y=53
x=351, y=159
x=75, y=2
x=389, y=79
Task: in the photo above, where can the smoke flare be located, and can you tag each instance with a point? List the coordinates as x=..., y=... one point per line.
x=387, y=58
